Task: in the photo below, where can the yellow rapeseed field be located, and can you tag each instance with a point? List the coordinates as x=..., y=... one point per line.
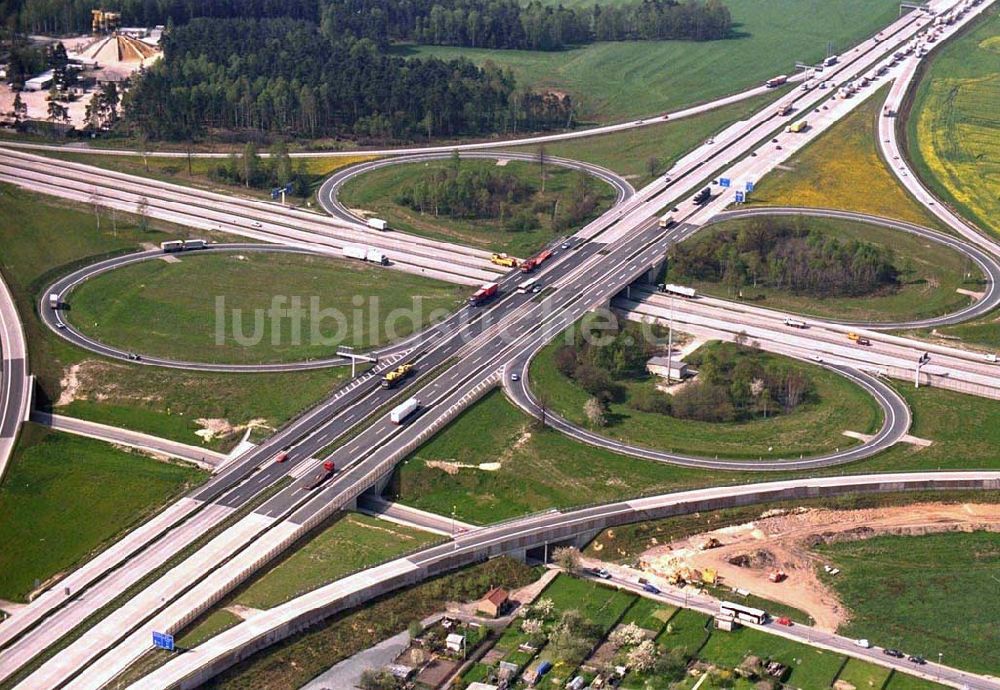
x=843, y=169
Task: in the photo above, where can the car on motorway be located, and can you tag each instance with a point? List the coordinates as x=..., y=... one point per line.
x=916, y=659
x=817, y=358
x=651, y=588
x=783, y=620
x=60, y=325
x=515, y=377
x=894, y=653
x=282, y=455
x=536, y=289
x=863, y=643
x=565, y=245
x=256, y=224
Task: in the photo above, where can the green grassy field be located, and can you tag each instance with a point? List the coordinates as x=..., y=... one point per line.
x=64, y=496
x=173, y=309
x=351, y=542
x=982, y=333
x=923, y=594
x=209, y=626
x=376, y=192
x=901, y=681
x=843, y=169
x=648, y=614
x=538, y=469
x=612, y=81
x=863, y=675
x=929, y=277
x=951, y=127
x=42, y=239
x=811, y=429
x=629, y=152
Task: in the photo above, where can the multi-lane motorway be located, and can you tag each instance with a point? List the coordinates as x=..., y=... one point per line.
x=15, y=381
x=458, y=361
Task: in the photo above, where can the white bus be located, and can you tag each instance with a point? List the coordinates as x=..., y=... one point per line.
x=172, y=246
x=744, y=614
x=526, y=286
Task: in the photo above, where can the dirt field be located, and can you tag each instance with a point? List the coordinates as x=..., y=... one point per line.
x=751, y=551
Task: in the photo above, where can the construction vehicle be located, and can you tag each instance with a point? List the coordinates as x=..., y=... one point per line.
x=324, y=474
x=797, y=127
x=776, y=81
x=392, y=378
x=403, y=410
x=859, y=339
x=777, y=576
x=484, y=294
x=378, y=224
x=504, y=260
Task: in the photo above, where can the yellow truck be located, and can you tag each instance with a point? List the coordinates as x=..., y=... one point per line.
x=504, y=260
x=859, y=339
x=390, y=379
x=797, y=127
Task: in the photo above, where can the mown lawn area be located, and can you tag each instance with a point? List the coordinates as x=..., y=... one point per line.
x=687, y=629
x=65, y=496
x=233, y=307
x=843, y=169
x=901, y=681
x=863, y=675
x=211, y=625
x=377, y=192
x=812, y=428
x=632, y=153
x=951, y=126
x=42, y=239
x=648, y=614
x=602, y=606
x=353, y=541
x=923, y=594
x=929, y=275
x=613, y=81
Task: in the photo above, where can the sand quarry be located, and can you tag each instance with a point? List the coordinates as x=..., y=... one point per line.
x=783, y=540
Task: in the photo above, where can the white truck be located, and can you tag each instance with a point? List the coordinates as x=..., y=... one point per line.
x=363, y=253
x=378, y=224
x=53, y=300
x=403, y=410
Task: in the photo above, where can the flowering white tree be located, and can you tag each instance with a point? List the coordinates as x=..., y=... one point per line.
x=630, y=634
x=531, y=626
x=544, y=607
x=643, y=657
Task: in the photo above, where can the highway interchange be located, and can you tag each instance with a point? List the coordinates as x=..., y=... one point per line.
x=260, y=507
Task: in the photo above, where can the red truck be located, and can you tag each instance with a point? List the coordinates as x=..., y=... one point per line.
x=535, y=261
x=322, y=476
x=484, y=294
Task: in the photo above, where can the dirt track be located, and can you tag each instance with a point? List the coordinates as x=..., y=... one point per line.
x=783, y=541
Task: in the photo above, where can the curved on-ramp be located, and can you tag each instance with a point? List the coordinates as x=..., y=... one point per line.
x=327, y=196
x=985, y=261
x=15, y=381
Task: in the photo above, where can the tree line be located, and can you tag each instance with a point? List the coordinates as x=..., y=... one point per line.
x=509, y=24
x=471, y=23
x=280, y=76
x=786, y=255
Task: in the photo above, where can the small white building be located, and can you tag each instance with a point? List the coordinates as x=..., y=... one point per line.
x=477, y=685
x=662, y=366
x=455, y=642
x=40, y=83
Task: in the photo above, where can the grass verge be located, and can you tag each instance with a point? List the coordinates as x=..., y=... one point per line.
x=66, y=496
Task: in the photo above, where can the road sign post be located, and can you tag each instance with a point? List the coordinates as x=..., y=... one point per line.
x=163, y=641
x=740, y=197
x=725, y=182
x=749, y=186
